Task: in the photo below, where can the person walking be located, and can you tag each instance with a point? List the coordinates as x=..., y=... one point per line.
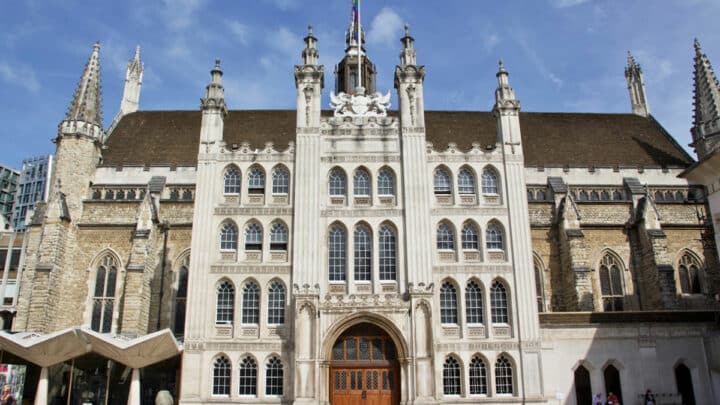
x=612, y=399
x=6, y=398
x=598, y=399
x=649, y=398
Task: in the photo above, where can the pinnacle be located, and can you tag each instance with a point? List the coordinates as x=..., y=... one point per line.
x=86, y=104
x=707, y=94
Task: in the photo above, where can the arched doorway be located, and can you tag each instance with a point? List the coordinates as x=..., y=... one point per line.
x=612, y=381
x=684, y=384
x=364, y=369
x=583, y=389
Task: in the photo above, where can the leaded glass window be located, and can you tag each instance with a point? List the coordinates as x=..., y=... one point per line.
x=388, y=253
x=361, y=183
x=473, y=303
x=499, y=303
x=386, y=182
x=274, y=377
x=503, y=376
x=280, y=181
x=448, y=303
x=181, y=297
x=611, y=284
x=248, y=377
x=221, y=376
x=256, y=181
x=478, y=377
x=466, y=182
x=451, y=377
x=489, y=182
x=445, y=237
x=470, y=240
x=363, y=254
x=442, y=182
x=225, y=303
x=494, y=237
x=278, y=236
x=336, y=255
x=232, y=181
x=539, y=288
x=228, y=236
x=276, y=304
x=689, y=274
x=253, y=237
x=337, y=182
x=251, y=304
x=104, y=296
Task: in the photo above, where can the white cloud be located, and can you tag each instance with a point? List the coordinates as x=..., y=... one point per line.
x=386, y=28
x=19, y=75
x=490, y=41
x=285, y=42
x=539, y=63
x=567, y=3
x=285, y=5
x=240, y=31
x=179, y=14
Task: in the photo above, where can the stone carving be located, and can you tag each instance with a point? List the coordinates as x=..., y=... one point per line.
x=375, y=301
x=360, y=105
x=420, y=288
x=411, y=98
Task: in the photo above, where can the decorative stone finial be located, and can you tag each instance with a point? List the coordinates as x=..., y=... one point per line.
x=407, y=29
x=310, y=30
x=217, y=63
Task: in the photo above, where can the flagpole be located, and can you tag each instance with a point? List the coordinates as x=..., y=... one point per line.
x=359, y=39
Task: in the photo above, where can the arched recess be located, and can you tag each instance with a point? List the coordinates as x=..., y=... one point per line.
x=684, y=382
x=107, y=259
x=178, y=292
x=539, y=269
x=305, y=338
x=583, y=386
x=612, y=377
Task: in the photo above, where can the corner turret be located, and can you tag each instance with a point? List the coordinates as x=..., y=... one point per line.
x=706, y=103
x=636, y=87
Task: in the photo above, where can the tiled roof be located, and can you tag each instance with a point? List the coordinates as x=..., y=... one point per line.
x=549, y=139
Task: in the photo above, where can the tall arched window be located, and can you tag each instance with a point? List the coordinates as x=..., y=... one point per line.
x=611, y=284
x=228, y=236
x=337, y=183
x=451, y=377
x=689, y=274
x=499, y=303
x=539, y=287
x=251, y=304
x=466, y=182
x=336, y=254
x=222, y=370
x=448, y=303
x=388, y=253
x=503, y=376
x=278, y=236
x=362, y=253
x=232, y=181
x=248, y=377
x=253, y=237
x=494, y=237
x=473, y=303
x=386, y=182
x=181, y=297
x=276, y=304
x=470, y=240
x=225, y=303
x=489, y=182
x=274, y=377
x=256, y=181
x=442, y=182
x=104, y=295
x=478, y=377
x=445, y=237
x=280, y=181
x=361, y=183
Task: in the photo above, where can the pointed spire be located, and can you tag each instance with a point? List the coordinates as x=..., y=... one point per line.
x=636, y=87
x=133, y=84
x=310, y=54
x=215, y=92
x=408, y=56
x=86, y=104
x=706, y=103
x=504, y=94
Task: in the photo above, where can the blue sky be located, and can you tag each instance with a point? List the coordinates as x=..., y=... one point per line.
x=562, y=55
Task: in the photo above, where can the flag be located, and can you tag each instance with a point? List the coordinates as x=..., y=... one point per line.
x=356, y=20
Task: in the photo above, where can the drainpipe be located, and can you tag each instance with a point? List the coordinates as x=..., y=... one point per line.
x=165, y=228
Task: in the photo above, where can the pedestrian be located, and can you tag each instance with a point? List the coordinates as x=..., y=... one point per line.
x=649, y=398
x=598, y=399
x=612, y=399
x=6, y=398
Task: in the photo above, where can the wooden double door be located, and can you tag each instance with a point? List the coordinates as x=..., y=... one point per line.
x=364, y=368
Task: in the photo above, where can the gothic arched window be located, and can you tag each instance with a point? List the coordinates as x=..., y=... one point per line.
x=494, y=237
x=280, y=181
x=539, y=288
x=181, y=297
x=256, y=181
x=503, y=376
x=274, y=377
x=104, y=295
x=225, y=303
x=445, y=237
x=337, y=182
x=362, y=253
x=442, y=182
x=361, y=183
x=478, y=377
x=470, y=240
x=251, y=304
x=451, y=377
x=473, y=303
x=386, y=182
x=278, y=236
x=489, y=182
x=248, y=377
x=276, y=303
x=253, y=237
x=448, y=303
x=222, y=370
x=336, y=254
x=499, y=303
x=611, y=284
x=689, y=274
x=466, y=182
x=232, y=181
x=228, y=236
x=387, y=253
